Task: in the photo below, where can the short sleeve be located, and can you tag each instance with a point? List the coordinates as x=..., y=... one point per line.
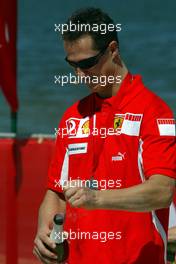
x=157, y=140
x=58, y=168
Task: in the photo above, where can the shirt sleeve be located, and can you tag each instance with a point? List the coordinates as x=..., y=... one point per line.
x=157, y=140
x=58, y=169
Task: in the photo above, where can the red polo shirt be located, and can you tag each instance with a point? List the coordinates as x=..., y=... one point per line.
x=115, y=143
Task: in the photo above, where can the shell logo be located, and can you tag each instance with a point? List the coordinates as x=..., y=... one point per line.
x=85, y=127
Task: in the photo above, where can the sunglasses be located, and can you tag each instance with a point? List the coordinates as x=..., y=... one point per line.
x=87, y=63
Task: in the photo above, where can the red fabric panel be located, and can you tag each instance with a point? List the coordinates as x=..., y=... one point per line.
x=8, y=29
x=28, y=159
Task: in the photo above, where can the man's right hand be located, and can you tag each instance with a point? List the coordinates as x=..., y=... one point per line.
x=40, y=250
x=52, y=203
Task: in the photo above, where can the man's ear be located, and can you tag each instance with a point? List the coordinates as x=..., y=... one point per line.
x=116, y=58
x=115, y=53
x=113, y=46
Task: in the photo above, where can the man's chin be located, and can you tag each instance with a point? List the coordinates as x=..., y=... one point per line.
x=94, y=88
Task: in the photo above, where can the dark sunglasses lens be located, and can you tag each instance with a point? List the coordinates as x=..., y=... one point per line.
x=88, y=63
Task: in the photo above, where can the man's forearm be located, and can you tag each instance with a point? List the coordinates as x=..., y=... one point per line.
x=154, y=193
x=52, y=204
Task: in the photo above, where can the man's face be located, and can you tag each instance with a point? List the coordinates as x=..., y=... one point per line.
x=83, y=49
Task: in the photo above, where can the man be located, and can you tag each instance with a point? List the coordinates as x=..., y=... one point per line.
x=120, y=212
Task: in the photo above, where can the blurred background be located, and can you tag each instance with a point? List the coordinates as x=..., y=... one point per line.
x=147, y=44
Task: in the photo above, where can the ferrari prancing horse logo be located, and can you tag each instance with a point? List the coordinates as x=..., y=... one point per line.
x=118, y=121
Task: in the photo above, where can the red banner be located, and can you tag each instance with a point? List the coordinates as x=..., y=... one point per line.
x=23, y=179
x=8, y=30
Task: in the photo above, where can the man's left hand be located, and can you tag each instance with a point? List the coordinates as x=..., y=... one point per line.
x=80, y=196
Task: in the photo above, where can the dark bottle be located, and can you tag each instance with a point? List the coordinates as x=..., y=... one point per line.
x=62, y=248
x=171, y=251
